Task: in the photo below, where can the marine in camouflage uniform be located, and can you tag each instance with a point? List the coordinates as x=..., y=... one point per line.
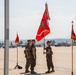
x=27, y=55
x=33, y=57
x=49, y=58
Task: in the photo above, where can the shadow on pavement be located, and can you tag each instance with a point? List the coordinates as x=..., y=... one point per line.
x=32, y=74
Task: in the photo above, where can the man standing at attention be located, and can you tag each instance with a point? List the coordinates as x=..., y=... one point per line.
x=33, y=57
x=27, y=56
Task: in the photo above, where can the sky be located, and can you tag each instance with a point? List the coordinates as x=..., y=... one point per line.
x=25, y=17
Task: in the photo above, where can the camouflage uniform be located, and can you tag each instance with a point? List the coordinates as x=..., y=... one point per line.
x=28, y=61
x=33, y=57
x=49, y=58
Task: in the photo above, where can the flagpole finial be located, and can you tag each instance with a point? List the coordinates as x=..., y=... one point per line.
x=46, y=4
x=46, y=9
x=72, y=21
x=17, y=32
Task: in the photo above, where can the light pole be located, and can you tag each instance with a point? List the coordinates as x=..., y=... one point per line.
x=6, y=37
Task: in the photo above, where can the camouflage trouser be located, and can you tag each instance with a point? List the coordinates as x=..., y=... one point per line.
x=49, y=63
x=33, y=63
x=28, y=62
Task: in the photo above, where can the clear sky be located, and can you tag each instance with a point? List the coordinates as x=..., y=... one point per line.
x=25, y=17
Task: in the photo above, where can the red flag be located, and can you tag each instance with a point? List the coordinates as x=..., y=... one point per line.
x=73, y=36
x=17, y=39
x=44, y=25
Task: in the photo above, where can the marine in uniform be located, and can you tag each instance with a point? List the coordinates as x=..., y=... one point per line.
x=49, y=61
x=27, y=56
x=33, y=57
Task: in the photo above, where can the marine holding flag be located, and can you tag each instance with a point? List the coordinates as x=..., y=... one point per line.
x=43, y=31
x=44, y=25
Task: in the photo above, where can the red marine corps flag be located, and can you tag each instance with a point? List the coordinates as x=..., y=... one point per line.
x=44, y=25
x=73, y=36
x=17, y=39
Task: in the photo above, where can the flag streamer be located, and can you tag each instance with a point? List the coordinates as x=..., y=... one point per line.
x=44, y=28
x=17, y=39
x=73, y=35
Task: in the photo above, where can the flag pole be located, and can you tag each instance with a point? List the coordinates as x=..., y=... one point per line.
x=72, y=57
x=44, y=45
x=72, y=53
x=17, y=57
x=6, y=35
x=17, y=54
x=17, y=66
x=17, y=41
